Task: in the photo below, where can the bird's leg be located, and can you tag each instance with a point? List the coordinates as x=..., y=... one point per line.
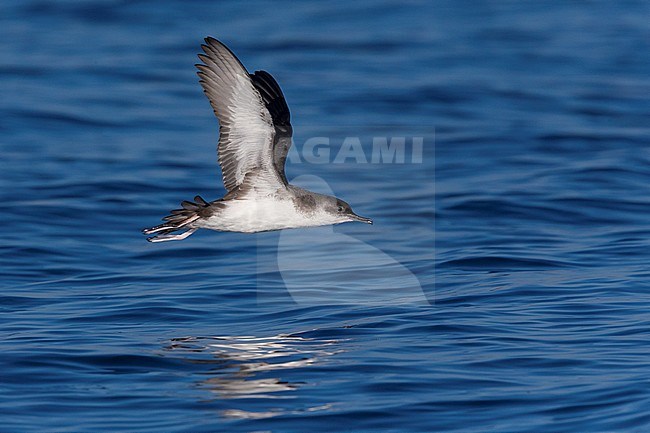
x=165, y=238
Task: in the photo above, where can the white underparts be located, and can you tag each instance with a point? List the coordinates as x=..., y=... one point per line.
x=270, y=213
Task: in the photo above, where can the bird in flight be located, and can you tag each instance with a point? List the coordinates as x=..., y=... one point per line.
x=254, y=140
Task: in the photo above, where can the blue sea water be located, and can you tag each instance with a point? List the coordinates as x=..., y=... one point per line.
x=505, y=284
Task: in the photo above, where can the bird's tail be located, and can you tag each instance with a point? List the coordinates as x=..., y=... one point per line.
x=180, y=219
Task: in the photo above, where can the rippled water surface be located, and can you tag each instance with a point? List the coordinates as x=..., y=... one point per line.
x=505, y=285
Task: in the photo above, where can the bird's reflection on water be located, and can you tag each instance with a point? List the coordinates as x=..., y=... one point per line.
x=245, y=367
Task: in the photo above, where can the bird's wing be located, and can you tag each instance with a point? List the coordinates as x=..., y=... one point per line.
x=247, y=135
x=275, y=103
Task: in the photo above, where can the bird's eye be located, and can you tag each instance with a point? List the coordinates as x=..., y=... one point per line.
x=340, y=209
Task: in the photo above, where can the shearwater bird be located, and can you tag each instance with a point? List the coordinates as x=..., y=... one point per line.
x=254, y=140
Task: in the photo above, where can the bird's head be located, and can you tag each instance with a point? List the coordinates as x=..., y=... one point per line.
x=342, y=212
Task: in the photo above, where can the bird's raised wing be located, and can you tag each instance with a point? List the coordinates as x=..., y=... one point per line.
x=275, y=103
x=247, y=135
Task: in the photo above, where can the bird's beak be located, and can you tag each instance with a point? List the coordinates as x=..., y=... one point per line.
x=360, y=218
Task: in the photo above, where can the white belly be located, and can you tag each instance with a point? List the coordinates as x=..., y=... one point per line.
x=250, y=216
